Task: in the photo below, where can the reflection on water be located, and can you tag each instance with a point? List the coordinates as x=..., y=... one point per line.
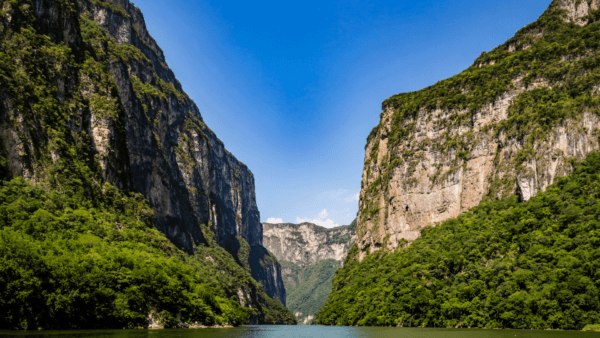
x=264, y=331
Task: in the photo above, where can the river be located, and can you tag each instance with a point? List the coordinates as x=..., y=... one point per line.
x=264, y=331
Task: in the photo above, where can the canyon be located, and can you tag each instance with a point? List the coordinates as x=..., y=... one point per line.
x=309, y=255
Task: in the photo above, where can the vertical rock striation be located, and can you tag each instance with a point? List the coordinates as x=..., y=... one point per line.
x=306, y=243
x=309, y=255
x=510, y=124
x=146, y=135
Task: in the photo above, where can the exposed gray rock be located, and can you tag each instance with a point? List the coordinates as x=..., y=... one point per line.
x=306, y=243
x=306, y=252
x=430, y=184
x=157, y=144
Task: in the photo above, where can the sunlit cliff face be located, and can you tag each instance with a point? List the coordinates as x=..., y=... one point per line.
x=440, y=151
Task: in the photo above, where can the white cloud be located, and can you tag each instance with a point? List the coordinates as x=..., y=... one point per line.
x=328, y=223
x=322, y=220
x=352, y=198
x=274, y=220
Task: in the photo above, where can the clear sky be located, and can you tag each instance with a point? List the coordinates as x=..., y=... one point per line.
x=294, y=88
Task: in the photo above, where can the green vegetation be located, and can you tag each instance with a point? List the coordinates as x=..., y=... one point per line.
x=312, y=287
x=291, y=275
x=591, y=327
x=145, y=90
x=502, y=264
x=543, y=59
x=307, y=287
x=73, y=262
x=103, y=45
x=76, y=251
x=342, y=239
x=68, y=262
x=109, y=5
x=229, y=276
x=170, y=89
x=561, y=59
x=47, y=117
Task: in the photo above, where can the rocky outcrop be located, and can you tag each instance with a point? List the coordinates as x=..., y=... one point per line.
x=309, y=255
x=175, y=160
x=577, y=11
x=429, y=163
x=306, y=243
x=146, y=135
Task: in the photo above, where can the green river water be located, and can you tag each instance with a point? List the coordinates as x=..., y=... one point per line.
x=264, y=331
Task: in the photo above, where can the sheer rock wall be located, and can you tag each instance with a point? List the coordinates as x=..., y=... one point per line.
x=306, y=243
x=432, y=183
x=154, y=142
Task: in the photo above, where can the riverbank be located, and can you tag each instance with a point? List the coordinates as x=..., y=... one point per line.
x=292, y=331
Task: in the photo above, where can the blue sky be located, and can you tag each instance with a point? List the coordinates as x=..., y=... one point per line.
x=294, y=88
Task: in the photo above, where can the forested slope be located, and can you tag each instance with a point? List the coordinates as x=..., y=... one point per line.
x=503, y=264
x=308, y=288
x=309, y=255
x=507, y=125
x=117, y=203
x=67, y=261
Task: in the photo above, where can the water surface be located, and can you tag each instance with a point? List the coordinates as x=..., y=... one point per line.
x=264, y=331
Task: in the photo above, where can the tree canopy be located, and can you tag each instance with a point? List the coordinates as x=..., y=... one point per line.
x=503, y=264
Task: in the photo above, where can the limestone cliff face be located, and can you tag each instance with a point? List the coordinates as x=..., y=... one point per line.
x=306, y=243
x=577, y=12
x=147, y=136
x=309, y=255
x=439, y=152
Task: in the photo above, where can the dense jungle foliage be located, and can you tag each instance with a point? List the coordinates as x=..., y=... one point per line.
x=502, y=264
x=76, y=251
x=309, y=291
x=67, y=262
x=70, y=263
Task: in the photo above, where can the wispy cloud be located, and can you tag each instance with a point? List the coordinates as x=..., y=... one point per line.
x=274, y=220
x=322, y=220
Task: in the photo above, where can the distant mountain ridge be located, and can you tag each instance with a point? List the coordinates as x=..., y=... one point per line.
x=307, y=243
x=309, y=255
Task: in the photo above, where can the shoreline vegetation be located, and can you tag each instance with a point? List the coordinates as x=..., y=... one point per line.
x=181, y=326
x=151, y=327
x=77, y=251
x=592, y=327
x=587, y=328
x=268, y=331
x=68, y=262
x=502, y=264
x=520, y=259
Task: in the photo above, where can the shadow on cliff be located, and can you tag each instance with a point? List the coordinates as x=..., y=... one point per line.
x=265, y=267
